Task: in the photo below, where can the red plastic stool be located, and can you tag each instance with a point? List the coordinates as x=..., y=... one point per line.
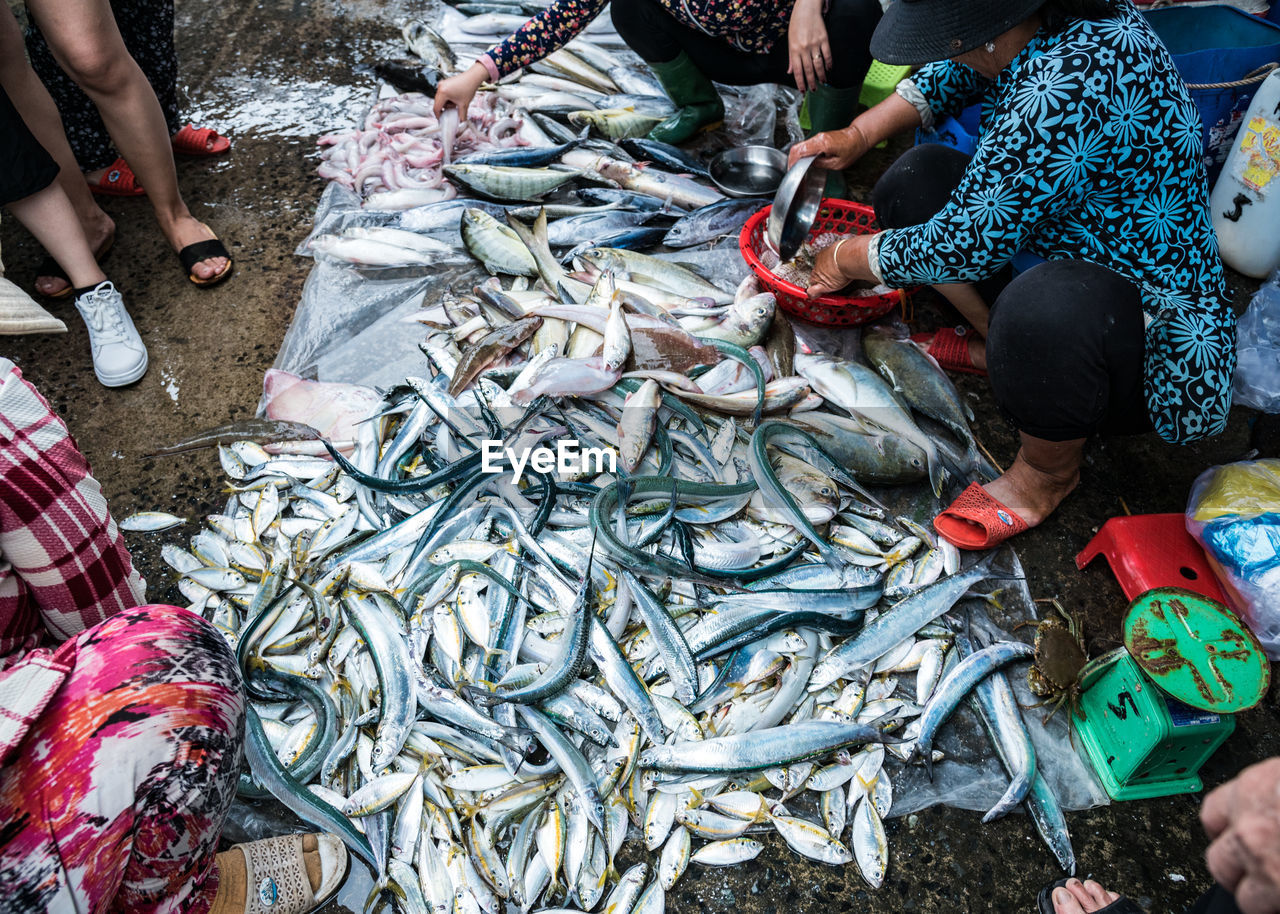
x=1153, y=550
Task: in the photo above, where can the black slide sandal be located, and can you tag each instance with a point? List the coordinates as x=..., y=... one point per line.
x=50, y=267
x=192, y=254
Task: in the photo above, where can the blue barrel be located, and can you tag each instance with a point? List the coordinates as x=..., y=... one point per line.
x=1211, y=45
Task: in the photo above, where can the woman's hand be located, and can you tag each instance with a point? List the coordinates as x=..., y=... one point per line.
x=836, y=149
x=808, y=46
x=840, y=264
x=460, y=90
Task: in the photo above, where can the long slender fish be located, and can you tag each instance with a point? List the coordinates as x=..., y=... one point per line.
x=997, y=707
x=759, y=749
x=898, y=623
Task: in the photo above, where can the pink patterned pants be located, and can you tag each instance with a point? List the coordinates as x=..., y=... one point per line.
x=115, y=799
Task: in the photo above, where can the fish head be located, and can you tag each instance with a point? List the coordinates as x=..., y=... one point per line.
x=757, y=310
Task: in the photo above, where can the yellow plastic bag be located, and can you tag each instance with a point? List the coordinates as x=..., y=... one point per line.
x=1244, y=489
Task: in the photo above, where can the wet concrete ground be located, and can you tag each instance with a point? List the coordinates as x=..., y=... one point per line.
x=275, y=74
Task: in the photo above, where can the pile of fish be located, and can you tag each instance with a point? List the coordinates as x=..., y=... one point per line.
x=615, y=566
x=485, y=668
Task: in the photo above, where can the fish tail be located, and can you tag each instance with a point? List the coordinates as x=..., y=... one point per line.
x=1002, y=565
x=936, y=472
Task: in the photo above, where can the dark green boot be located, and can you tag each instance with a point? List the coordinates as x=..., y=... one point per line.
x=830, y=108
x=699, y=104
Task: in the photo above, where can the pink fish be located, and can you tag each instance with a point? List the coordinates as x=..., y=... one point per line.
x=567, y=377
x=330, y=408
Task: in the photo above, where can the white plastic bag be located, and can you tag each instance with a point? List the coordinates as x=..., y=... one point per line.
x=1257, y=381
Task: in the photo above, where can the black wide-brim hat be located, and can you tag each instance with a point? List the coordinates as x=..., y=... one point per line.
x=922, y=31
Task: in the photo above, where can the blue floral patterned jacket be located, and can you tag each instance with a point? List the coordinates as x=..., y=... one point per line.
x=1090, y=149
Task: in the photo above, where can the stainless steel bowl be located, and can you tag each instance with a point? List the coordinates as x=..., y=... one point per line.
x=749, y=171
x=795, y=206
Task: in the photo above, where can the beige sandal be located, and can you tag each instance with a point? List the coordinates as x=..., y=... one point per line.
x=277, y=874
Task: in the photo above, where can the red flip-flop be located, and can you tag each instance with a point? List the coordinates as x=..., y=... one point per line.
x=200, y=141
x=118, y=181
x=975, y=520
x=950, y=349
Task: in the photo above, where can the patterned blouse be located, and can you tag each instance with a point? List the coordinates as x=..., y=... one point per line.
x=1090, y=149
x=748, y=25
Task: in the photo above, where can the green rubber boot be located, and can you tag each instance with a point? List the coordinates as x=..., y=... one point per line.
x=830, y=108
x=699, y=104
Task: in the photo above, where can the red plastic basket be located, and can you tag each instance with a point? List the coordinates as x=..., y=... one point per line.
x=845, y=217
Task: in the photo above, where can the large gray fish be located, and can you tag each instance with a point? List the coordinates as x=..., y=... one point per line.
x=711, y=222
x=876, y=458
x=865, y=394
x=495, y=245
x=426, y=43
x=759, y=749
x=500, y=182
x=917, y=379
x=998, y=709
x=575, y=230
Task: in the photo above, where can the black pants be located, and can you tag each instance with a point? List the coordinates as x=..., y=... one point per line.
x=25, y=166
x=1065, y=342
x=659, y=37
x=147, y=29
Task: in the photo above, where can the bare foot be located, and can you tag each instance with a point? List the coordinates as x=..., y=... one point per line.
x=1033, y=492
x=189, y=230
x=99, y=235
x=1081, y=897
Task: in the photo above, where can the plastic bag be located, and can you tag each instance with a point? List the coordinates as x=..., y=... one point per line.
x=1257, y=381
x=1234, y=513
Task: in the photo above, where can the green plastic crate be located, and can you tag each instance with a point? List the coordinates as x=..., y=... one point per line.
x=1141, y=742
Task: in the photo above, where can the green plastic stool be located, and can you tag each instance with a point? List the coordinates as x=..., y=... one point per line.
x=881, y=80
x=1155, y=710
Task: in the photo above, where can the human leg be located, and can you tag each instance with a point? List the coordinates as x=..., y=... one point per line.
x=36, y=199
x=40, y=116
x=659, y=39
x=1065, y=355
x=116, y=797
x=87, y=44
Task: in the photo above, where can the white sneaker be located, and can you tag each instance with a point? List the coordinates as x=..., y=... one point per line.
x=119, y=358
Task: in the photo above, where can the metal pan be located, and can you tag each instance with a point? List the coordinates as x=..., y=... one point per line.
x=795, y=207
x=748, y=171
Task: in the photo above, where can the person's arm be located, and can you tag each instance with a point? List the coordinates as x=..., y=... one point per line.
x=838, y=149
x=1017, y=177
x=941, y=89
x=546, y=32
x=67, y=555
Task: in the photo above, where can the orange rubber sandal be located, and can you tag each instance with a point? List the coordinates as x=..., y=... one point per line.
x=975, y=520
x=118, y=181
x=950, y=349
x=200, y=141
